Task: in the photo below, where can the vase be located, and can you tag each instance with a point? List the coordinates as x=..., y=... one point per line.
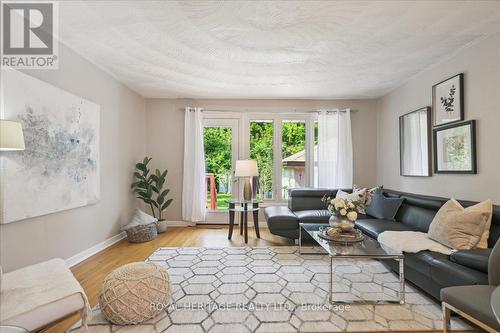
x=161, y=226
x=342, y=223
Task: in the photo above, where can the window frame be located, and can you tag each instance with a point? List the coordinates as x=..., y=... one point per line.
x=244, y=118
x=278, y=118
x=215, y=216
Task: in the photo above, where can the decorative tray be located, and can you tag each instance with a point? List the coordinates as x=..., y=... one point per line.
x=355, y=236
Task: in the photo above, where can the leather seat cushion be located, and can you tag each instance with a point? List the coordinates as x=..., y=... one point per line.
x=448, y=273
x=313, y=216
x=421, y=261
x=442, y=271
x=475, y=258
x=374, y=227
x=474, y=301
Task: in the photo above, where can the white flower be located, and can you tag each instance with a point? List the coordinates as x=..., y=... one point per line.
x=332, y=201
x=352, y=216
x=339, y=203
x=343, y=212
x=350, y=205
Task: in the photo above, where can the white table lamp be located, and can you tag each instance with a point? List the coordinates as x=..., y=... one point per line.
x=246, y=169
x=11, y=135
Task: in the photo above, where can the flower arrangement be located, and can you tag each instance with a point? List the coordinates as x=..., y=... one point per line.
x=344, y=208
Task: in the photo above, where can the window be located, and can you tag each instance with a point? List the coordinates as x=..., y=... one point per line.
x=221, y=149
x=283, y=144
x=261, y=150
x=293, y=155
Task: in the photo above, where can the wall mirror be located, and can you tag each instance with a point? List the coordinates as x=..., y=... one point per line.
x=415, y=143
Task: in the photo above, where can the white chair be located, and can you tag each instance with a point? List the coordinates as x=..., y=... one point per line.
x=35, y=296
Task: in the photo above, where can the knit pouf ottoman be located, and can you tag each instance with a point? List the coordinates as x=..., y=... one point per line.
x=134, y=293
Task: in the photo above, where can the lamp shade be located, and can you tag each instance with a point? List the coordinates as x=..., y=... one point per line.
x=246, y=168
x=11, y=135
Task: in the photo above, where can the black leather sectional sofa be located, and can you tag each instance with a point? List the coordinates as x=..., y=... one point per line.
x=428, y=270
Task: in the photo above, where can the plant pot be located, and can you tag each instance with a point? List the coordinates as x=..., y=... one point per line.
x=342, y=223
x=161, y=226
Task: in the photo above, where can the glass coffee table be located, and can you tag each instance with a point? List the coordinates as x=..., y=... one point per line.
x=368, y=248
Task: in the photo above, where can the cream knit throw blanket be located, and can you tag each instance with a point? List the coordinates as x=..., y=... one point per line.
x=411, y=242
x=30, y=287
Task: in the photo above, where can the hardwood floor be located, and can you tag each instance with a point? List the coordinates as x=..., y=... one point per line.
x=91, y=272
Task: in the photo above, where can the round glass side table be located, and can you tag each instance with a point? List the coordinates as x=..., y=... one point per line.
x=243, y=207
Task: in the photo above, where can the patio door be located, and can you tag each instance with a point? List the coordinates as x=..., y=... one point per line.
x=220, y=136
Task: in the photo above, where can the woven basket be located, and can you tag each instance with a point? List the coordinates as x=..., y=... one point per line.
x=142, y=233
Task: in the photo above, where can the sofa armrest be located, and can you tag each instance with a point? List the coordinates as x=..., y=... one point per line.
x=280, y=217
x=475, y=258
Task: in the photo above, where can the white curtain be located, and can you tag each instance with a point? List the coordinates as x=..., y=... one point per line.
x=335, y=149
x=193, y=184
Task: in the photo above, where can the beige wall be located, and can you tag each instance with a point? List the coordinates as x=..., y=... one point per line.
x=165, y=134
x=67, y=233
x=481, y=67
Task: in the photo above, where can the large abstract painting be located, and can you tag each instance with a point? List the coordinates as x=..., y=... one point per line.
x=59, y=169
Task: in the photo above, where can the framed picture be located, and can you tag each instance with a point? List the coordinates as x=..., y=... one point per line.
x=455, y=148
x=415, y=143
x=448, y=100
x=60, y=165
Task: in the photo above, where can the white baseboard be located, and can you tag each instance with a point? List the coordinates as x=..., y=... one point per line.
x=180, y=224
x=79, y=257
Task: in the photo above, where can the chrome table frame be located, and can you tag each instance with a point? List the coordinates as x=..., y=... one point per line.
x=398, y=257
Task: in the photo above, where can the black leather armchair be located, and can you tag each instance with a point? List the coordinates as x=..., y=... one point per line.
x=474, y=302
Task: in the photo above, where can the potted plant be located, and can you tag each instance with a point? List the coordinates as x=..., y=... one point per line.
x=149, y=188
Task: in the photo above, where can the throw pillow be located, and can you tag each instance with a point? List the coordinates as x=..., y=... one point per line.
x=369, y=193
x=482, y=207
x=354, y=196
x=457, y=228
x=382, y=207
x=139, y=218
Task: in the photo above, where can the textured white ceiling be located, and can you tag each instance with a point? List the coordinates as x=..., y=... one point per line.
x=275, y=49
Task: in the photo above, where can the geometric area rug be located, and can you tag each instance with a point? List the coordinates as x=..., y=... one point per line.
x=275, y=289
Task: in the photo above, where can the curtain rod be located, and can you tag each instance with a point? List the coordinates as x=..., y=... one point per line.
x=290, y=111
